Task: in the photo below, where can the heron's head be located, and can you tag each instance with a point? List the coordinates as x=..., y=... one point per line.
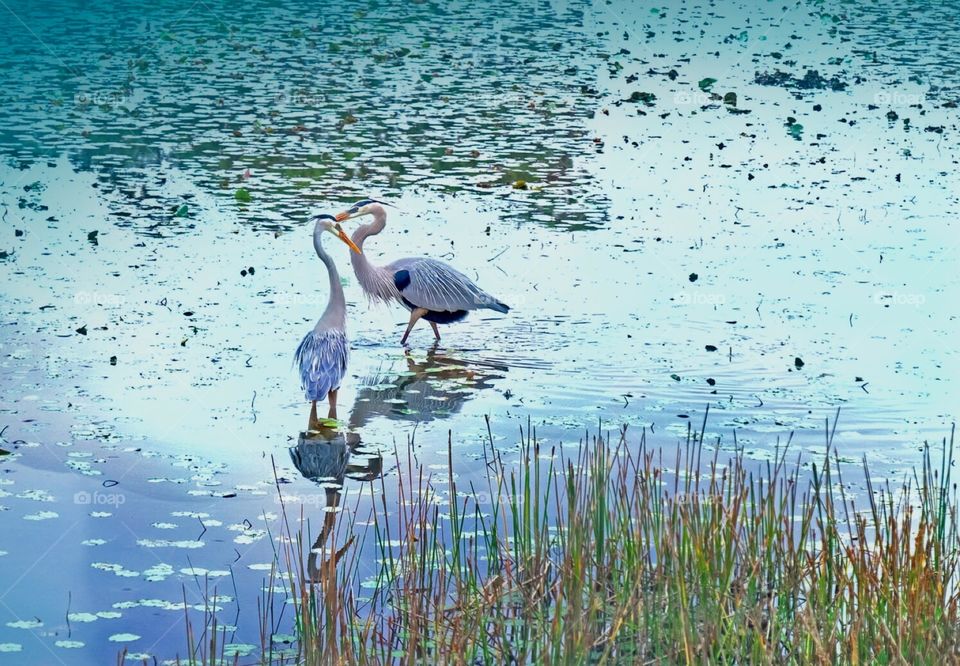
x=362, y=207
x=329, y=223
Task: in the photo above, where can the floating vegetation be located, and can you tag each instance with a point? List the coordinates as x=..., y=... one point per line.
x=150, y=603
x=706, y=84
x=714, y=563
x=296, y=129
x=81, y=617
x=238, y=649
x=41, y=515
x=36, y=495
x=165, y=543
x=158, y=572
x=811, y=80
x=646, y=98
x=25, y=624
x=115, y=569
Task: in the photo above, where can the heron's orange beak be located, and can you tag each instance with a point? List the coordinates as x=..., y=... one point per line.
x=342, y=235
x=340, y=217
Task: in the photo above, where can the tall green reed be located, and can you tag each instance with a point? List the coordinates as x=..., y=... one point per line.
x=613, y=552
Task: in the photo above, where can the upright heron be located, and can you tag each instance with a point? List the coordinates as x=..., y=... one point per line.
x=429, y=288
x=322, y=354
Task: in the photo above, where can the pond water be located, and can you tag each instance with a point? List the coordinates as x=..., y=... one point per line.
x=747, y=207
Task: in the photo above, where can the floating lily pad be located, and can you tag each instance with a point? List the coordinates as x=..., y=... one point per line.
x=81, y=617
x=646, y=98
x=164, y=543
x=42, y=515
x=25, y=624
x=238, y=649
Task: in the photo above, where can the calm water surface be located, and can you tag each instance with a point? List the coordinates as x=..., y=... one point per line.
x=751, y=208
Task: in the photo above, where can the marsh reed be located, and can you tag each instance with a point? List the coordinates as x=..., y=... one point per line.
x=620, y=554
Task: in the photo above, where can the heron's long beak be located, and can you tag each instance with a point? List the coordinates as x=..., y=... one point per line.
x=342, y=235
x=340, y=217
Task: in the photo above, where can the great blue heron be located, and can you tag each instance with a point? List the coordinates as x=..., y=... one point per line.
x=322, y=354
x=430, y=289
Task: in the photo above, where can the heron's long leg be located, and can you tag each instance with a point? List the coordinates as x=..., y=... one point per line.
x=414, y=317
x=313, y=423
x=436, y=331
x=332, y=398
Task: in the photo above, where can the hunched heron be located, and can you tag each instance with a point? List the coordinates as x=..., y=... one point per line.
x=430, y=289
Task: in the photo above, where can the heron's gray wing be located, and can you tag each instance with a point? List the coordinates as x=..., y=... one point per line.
x=431, y=284
x=321, y=358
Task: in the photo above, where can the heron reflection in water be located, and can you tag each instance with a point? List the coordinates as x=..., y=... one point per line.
x=328, y=457
x=428, y=388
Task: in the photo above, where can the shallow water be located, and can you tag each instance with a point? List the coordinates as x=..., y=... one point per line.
x=671, y=250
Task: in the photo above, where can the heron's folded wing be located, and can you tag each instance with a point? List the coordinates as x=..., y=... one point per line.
x=322, y=360
x=434, y=285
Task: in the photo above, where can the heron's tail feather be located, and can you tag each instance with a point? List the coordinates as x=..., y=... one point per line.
x=499, y=307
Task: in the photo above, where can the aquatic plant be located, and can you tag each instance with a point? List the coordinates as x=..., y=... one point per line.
x=616, y=554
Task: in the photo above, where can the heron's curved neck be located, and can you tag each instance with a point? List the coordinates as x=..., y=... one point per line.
x=375, y=280
x=372, y=229
x=335, y=312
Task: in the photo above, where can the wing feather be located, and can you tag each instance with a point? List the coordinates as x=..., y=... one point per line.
x=436, y=286
x=321, y=359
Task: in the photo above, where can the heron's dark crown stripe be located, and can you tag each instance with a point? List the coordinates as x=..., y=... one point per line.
x=363, y=202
